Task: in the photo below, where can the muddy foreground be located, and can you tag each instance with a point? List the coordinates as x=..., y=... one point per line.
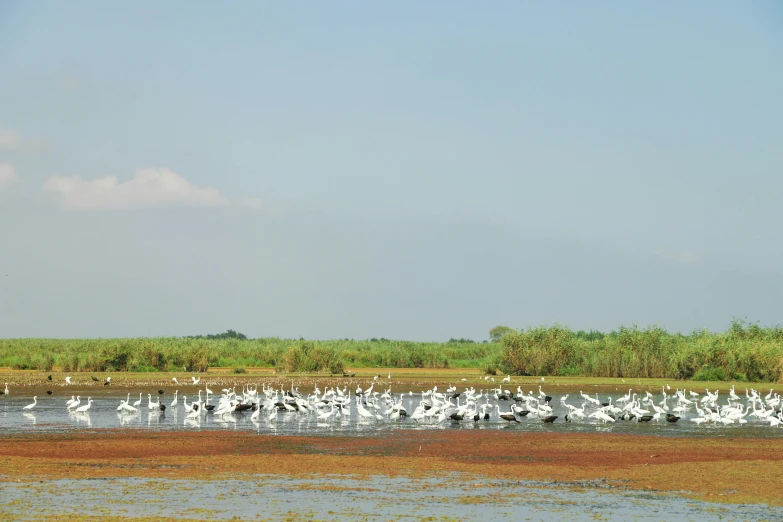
x=727, y=470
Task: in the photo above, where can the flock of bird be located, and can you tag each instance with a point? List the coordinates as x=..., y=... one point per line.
x=432, y=406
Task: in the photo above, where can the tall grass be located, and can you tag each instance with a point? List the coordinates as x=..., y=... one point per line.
x=197, y=354
x=743, y=352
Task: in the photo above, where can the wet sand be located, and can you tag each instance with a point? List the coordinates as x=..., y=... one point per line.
x=717, y=469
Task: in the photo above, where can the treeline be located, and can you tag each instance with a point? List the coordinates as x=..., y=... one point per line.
x=228, y=334
x=745, y=352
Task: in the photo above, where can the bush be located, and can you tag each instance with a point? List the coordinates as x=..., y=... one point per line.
x=710, y=374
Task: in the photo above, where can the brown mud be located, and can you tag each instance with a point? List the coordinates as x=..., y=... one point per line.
x=714, y=469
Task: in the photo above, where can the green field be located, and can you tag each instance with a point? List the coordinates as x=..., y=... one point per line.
x=744, y=352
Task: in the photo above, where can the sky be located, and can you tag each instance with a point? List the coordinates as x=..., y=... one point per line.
x=408, y=170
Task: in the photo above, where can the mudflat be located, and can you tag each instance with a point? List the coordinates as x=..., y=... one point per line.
x=718, y=469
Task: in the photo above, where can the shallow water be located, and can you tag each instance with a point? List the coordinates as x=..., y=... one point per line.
x=50, y=415
x=447, y=497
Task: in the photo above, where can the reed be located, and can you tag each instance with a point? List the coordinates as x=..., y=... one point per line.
x=744, y=352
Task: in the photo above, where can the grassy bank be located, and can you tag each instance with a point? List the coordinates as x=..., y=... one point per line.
x=197, y=354
x=744, y=352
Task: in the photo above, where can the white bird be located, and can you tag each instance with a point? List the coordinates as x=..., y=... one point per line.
x=6, y=392
x=74, y=403
x=83, y=409
x=196, y=381
x=67, y=381
x=31, y=406
x=175, y=381
x=138, y=402
x=174, y=402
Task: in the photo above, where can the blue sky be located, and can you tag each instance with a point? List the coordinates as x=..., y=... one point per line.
x=416, y=170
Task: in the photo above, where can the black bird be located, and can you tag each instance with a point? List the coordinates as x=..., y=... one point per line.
x=645, y=418
x=242, y=407
x=160, y=392
x=547, y=398
x=456, y=417
x=48, y=392
x=209, y=407
x=486, y=416
x=162, y=407
x=94, y=379
x=49, y=377
x=604, y=404
x=566, y=418
x=106, y=383
x=523, y=413
x=671, y=418
x=476, y=417
x=549, y=419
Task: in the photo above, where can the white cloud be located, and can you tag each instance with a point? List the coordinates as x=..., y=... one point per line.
x=685, y=258
x=149, y=187
x=9, y=140
x=7, y=174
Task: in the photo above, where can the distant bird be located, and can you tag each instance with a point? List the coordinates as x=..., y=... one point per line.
x=160, y=391
x=31, y=406
x=549, y=419
x=94, y=379
x=645, y=418
x=175, y=381
x=108, y=381
x=6, y=392
x=542, y=379
x=48, y=392
x=67, y=381
x=50, y=377
x=671, y=418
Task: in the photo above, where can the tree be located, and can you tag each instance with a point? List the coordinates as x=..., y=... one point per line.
x=498, y=332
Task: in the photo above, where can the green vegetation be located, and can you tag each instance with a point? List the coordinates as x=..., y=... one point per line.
x=196, y=354
x=745, y=352
x=497, y=333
